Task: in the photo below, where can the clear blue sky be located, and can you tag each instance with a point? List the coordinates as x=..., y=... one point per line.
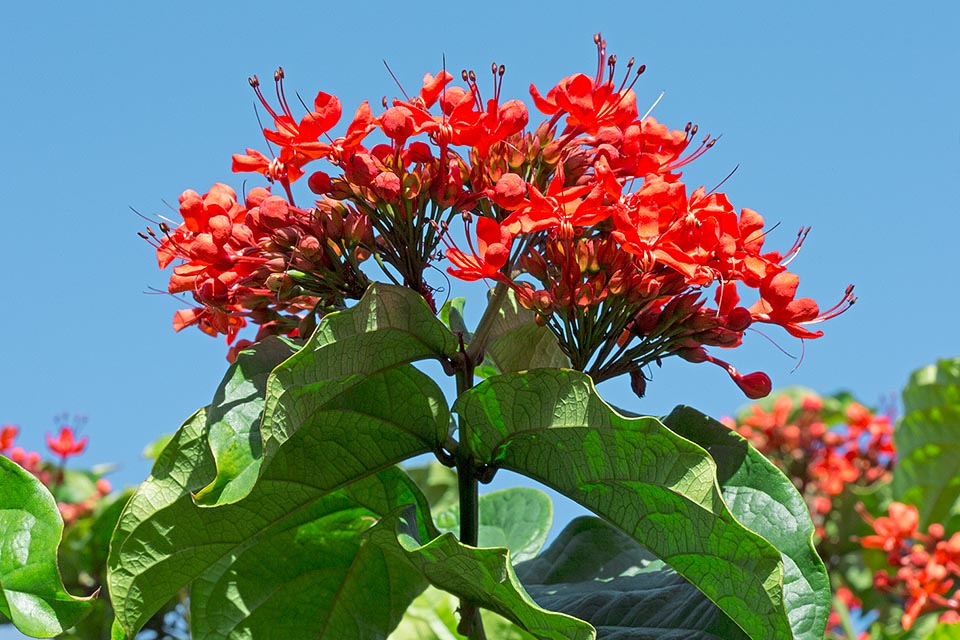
x=839, y=117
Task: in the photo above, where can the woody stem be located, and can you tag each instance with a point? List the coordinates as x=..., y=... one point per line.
x=470, y=623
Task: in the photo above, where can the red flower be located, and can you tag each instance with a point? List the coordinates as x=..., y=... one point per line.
x=591, y=103
x=8, y=434
x=893, y=530
x=778, y=305
x=64, y=445
x=304, y=137
x=560, y=209
x=492, y=252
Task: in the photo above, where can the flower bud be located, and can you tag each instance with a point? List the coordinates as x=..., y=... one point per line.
x=319, y=183
x=310, y=248
x=357, y=230
x=387, y=185
x=274, y=212
x=509, y=192
x=754, y=385
x=286, y=237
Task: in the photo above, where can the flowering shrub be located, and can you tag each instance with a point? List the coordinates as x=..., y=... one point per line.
x=281, y=505
x=925, y=565
x=894, y=574
x=77, y=492
x=824, y=445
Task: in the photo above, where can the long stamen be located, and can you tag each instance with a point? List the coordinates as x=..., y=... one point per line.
x=845, y=303
x=621, y=93
x=255, y=83
x=705, y=145
x=281, y=97
x=795, y=249
x=601, y=57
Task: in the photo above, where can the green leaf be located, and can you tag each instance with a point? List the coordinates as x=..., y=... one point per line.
x=313, y=579
x=32, y=595
x=153, y=449
x=433, y=616
x=659, y=488
x=518, y=343
x=518, y=519
x=438, y=483
x=766, y=502
x=451, y=314
x=927, y=439
x=598, y=574
x=483, y=577
x=933, y=386
x=233, y=431
x=389, y=326
x=945, y=631
x=164, y=541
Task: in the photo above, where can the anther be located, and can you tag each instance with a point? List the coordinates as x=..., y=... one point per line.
x=473, y=76
x=254, y=81
x=693, y=131
x=383, y=101
x=278, y=74
x=463, y=75
x=596, y=38
x=143, y=235
x=640, y=69
x=501, y=70
x=164, y=228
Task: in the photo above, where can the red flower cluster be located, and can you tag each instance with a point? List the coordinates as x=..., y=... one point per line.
x=584, y=217
x=926, y=564
x=52, y=475
x=823, y=445
x=618, y=275
x=263, y=260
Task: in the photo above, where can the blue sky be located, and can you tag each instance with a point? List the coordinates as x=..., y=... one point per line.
x=842, y=118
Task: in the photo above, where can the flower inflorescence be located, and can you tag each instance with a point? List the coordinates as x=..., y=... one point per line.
x=583, y=216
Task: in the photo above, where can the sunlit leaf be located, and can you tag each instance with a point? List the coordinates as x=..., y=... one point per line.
x=657, y=487
x=32, y=595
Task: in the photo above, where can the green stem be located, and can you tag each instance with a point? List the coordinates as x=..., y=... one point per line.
x=470, y=623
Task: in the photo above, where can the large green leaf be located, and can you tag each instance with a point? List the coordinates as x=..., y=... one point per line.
x=32, y=595
x=234, y=421
x=483, y=577
x=517, y=343
x=389, y=326
x=517, y=519
x=766, y=502
x=316, y=578
x=598, y=574
x=927, y=439
x=164, y=541
x=659, y=488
